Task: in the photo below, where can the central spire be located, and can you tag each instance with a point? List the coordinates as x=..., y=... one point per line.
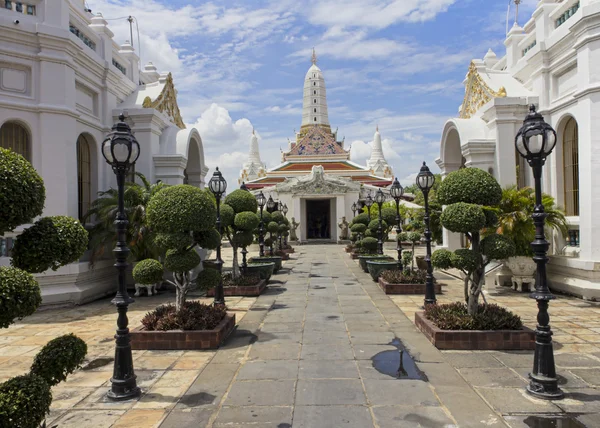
x=314, y=106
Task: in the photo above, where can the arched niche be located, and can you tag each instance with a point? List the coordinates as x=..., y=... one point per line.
x=15, y=135
x=87, y=173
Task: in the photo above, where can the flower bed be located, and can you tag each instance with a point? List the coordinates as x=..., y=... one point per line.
x=196, y=326
x=495, y=328
x=245, y=285
x=397, y=282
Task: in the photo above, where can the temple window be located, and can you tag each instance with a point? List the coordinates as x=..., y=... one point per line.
x=315, y=110
x=84, y=176
x=18, y=7
x=571, y=167
x=119, y=66
x=315, y=119
x=315, y=101
x=15, y=137
x=528, y=48
x=566, y=15
x=86, y=40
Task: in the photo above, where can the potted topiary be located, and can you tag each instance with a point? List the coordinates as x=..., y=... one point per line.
x=377, y=267
x=148, y=274
x=369, y=249
x=50, y=243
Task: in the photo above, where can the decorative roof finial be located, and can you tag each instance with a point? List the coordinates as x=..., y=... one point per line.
x=253, y=131
x=314, y=57
x=377, y=128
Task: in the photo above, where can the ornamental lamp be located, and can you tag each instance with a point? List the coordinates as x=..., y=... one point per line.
x=271, y=204
x=396, y=190
x=284, y=209
x=369, y=201
x=261, y=200
x=536, y=139
x=379, y=197
x=120, y=148
x=425, y=179
x=217, y=183
x=354, y=207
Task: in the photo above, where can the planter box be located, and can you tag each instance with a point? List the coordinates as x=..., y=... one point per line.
x=362, y=260
x=477, y=340
x=377, y=267
x=406, y=288
x=182, y=340
x=275, y=259
x=246, y=291
x=264, y=270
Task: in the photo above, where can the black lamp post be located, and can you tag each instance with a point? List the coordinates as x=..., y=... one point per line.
x=244, y=249
x=121, y=150
x=535, y=141
x=262, y=201
x=271, y=207
x=285, y=211
x=369, y=204
x=397, y=191
x=425, y=180
x=380, y=199
x=218, y=185
x=354, y=209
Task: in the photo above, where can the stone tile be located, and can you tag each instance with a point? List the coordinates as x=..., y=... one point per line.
x=332, y=417
x=575, y=360
x=261, y=393
x=328, y=369
x=325, y=337
x=366, y=352
x=14, y=350
x=88, y=378
x=329, y=392
x=580, y=400
x=177, y=379
x=471, y=359
x=65, y=396
x=514, y=358
x=408, y=416
x=590, y=376
x=371, y=338
x=253, y=415
x=275, y=352
x=89, y=418
x=160, y=398
x=189, y=418
x=516, y=400
x=400, y=392
x=262, y=370
x=282, y=338
x=208, y=388
x=566, y=379
x=140, y=418
x=155, y=362
x=492, y=377
x=327, y=352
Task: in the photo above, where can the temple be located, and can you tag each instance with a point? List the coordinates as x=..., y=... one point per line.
x=316, y=179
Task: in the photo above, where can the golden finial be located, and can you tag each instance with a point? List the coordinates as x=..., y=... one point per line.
x=314, y=57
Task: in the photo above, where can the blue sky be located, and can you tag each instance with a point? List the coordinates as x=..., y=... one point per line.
x=241, y=64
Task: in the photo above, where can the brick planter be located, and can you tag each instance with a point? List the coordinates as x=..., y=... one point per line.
x=406, y=288
x=246, y=291
x=477, y=340
x=182, y=340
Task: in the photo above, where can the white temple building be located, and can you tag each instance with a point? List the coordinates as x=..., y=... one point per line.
x=552, y=61
x=316, y=179
x=64, y=80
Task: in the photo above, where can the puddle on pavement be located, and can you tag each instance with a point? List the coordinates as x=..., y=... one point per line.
x=397, y=363
x=332, y=317
x=552, y=422
x=98, y=362
x=318, y=287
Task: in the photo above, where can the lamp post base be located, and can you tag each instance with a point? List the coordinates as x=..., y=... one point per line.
x=544, y=387
x=121, y=390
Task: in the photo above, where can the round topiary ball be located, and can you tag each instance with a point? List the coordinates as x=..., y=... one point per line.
x=208, y=278
x=148, y=272
x=491, y=218
x=242, y=238
x=497, y=247
x=358, y=228
x=268, y=242
x=277, y=216
x=181, y=208
x=362, y=218
x=441, y=259
x=50, y=243
x=241, y=200
x=246, y=220
x=369, y=244
x=273, y=227
x=266, y=217
x=22, y=193
x=181, y=261
x=463, y=218
x=465, y=259
x=209, y=239
x=469, y=185
x=173, y=241
x=227, y=215
x=414, y=236
x=24, y=401
x=59, y=358
x=19, y=295
x=403, y=237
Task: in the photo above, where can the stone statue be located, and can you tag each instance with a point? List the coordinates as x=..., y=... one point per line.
x=344, y=226
x=293, y=227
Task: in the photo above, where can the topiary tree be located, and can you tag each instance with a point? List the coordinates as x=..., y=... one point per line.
x=148, y=272
x=50, y=243
x=470, y=195
x=179, y=215
x=369, y=245
x=272, y=228
x=239, y=223
x=59, y=358
x=208, y=278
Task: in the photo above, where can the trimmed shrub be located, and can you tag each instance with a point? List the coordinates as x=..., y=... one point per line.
x=273, y=227
x=369, y=244
x=192, y=316
x=454, y=316
x=491, y=217
x=208, y=239
x=179, y=241
x=248, y=280
x=50, y=243
x=469, y=185
x=358, y=228
x=463, y=218
x=24, y=401
x=414, y=236
x=20, y=295
x=465, y=259
x=277, y=216
x=208, y=278
x=59, y=358
x=407, y=260
x=227, y=215
x=247, y=221
x=181, y=261
x=404, y=277
x=241, y=200
x=442, y=259
x=389, y=215
x=403, y=237
x=181, y=208
x=148, y=272
x=362, y=218
x=242, y=238
x=374, y=225
x=22, y=193
x=266, y=217
x=497, y=247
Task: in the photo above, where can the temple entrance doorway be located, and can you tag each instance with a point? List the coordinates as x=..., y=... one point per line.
x=318, y=219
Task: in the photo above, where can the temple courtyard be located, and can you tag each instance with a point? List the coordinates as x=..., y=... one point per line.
x=321, y=348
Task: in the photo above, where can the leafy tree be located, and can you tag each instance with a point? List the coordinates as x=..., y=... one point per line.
x=239, y=220
x=470, y=195
x=179, y=216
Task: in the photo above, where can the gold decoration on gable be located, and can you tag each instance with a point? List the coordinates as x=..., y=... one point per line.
x=477, y=93
x=166, y=103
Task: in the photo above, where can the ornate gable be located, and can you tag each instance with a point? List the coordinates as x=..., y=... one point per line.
x=166, y=103
x=477, y=93
x=317, y=183
x=316, y=142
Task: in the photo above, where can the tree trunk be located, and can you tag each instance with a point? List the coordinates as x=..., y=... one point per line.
x=235, y=273
x=478, y=276
x=412, y=260
x=182, y=285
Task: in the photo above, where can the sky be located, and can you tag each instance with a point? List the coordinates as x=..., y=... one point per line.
x=240, y=64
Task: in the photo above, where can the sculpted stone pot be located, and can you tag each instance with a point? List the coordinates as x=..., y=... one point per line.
x=523, y=270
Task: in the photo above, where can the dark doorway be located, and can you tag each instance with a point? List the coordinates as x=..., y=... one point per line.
x=318, y=219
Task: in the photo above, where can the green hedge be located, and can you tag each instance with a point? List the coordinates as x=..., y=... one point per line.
x=246, y=220
x=241, y=200
x=369, y=244
x=277, y=216
x=24, y=401
x=177, y=261
x=463, y=218
x=208, y=278
x=20, y=295
x=148, y=272
x=59, y=358
x=358, y=228
x=497, y=247
x=179, y=241
x=50, y=243
x=181, y=208
x=209, y=239
x=243, y=238
x=362, y=218
x=469, y=185
x=227, y=215
x=22, y=193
